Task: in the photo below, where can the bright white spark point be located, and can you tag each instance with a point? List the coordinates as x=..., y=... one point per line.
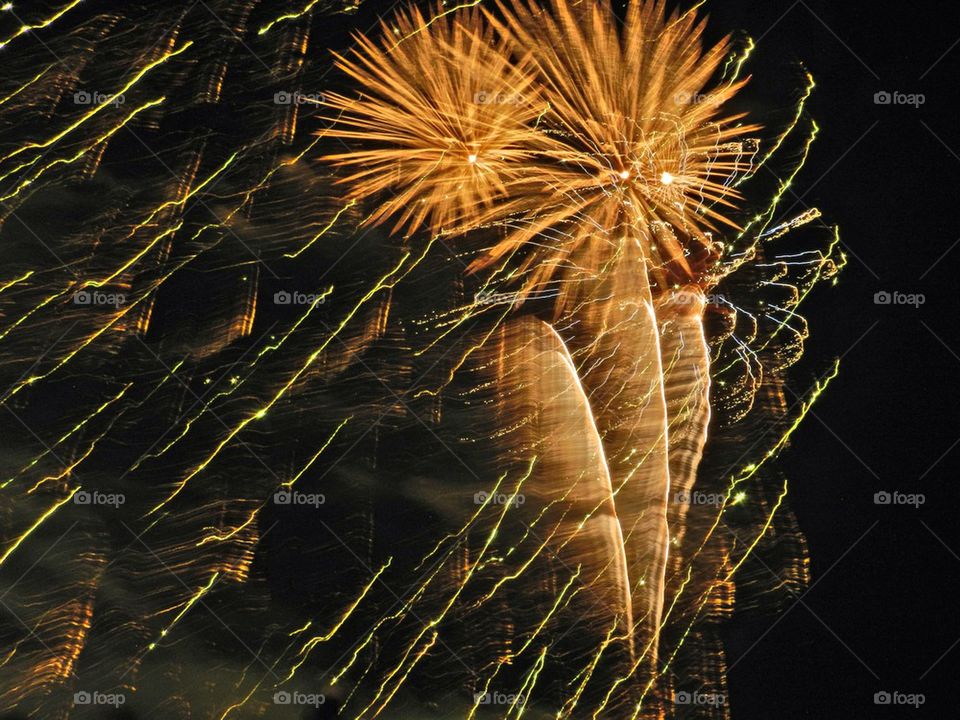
x=666, y=178
x=624, y=174
x=7, y=6
x=471, y=159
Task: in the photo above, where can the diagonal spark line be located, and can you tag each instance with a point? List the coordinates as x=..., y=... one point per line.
x=32, y=634
x=837, y=437
x=200, y=399
x=397, y=597
x=799, y=598
x=200, y=202
x=807, y=592
x=38, y=560
x=200, y=601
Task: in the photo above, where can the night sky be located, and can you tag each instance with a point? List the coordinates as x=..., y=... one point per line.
x=880, y=615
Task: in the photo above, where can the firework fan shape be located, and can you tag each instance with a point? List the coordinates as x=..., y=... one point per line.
x=578, y=129
x=445, y=118
x=451, y=469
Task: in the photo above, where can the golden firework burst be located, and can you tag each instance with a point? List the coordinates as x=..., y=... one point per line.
x=445, y=119
x=571, y=130
x=639, y=149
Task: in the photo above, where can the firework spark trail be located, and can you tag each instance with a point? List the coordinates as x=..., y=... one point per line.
x=563, y=182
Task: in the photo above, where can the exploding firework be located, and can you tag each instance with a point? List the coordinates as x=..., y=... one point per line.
x=445, y=117
x=418, y=431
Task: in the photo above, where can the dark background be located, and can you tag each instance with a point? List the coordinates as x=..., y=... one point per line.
x=881, y=612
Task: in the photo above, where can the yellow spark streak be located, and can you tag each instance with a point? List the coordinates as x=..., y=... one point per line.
x=811, y=84
x=528, y=684
x=301, y=630
x=491, y=536
x=19, y=541
x=403, y=678
x=290, y=16
x=767, y=216
x=826, y=260
x=23, y=29
x=432, y=20
x=220, y=537
x=384, y=282
x=27, y=84
x=99, y=107
x=193, y=601
x=470, y=521
x=43, y=303
x=322, y=232
x=587, y=672
x=13, y=282
x=314, y=641
x=318, y=453
x=80, y=153
x=169, y=204
x=820, y=386
x=553, y=610
x=739, y=62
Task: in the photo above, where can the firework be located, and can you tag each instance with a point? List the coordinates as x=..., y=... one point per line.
x=258, y=448
x=444, y=122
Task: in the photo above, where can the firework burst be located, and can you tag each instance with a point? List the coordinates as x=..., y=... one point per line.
x=640, y=151
x=443, y=124
x=556, y=123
